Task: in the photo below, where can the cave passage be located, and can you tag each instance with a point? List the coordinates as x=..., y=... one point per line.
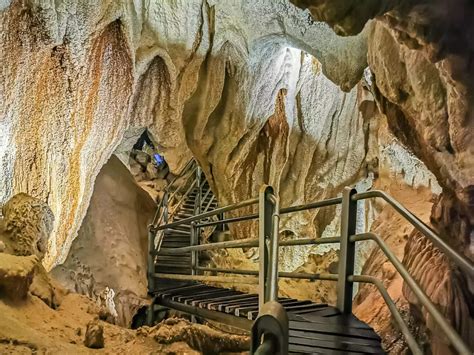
x=272, y=176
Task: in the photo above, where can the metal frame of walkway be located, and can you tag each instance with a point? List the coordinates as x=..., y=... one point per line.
x=271, y=322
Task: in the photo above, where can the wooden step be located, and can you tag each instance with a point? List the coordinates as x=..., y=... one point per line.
x=173, y=270
x=177, y=264
x=173, y=231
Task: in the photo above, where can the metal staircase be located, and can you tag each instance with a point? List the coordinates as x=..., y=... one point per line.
x=180, y=235
x=278, y=325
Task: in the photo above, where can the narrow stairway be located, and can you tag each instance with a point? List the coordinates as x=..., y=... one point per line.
x=180, y=236
x=314, y=328
x=293, y=325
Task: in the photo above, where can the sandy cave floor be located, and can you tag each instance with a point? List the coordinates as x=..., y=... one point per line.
x=31, y=327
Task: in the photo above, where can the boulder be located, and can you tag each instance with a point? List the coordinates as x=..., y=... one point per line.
x=26, y=226
x=46, y=289
x=94, y=337
x=16, y=275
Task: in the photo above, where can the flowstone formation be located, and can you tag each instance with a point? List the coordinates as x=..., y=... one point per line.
x=419, y=54
x=107, y=260
x=258, y=92
x=193, y=72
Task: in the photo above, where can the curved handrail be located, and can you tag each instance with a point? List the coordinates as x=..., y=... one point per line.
x=166, y=199
x=452, y=254
x=217, y=211
x=464, y=264
x=452, y=335
x=181, y=173
x=412, y=344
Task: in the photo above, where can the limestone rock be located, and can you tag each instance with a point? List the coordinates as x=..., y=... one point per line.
x=199, y=337
x=27, y=225
x=94, y=336
x=45, y=288
x=88, y=76
x=432, y=271
x=2, y=246
x=16, y=275
x=110, y=251
x=346, y=17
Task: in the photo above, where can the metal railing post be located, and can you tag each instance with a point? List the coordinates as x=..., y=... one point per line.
x=221, y=217
x=268, y=269
x=347, y=251
x=194, y=253
x=151, y=259
x=165, y=207
x=199, y=191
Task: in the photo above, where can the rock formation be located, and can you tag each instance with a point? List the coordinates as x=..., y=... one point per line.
x=26, y=226
x=24, y=231
x=84, y=74
x=419, y=55
x=107, y=260
x=94, y=337
x=16, y=275
x=258, y=92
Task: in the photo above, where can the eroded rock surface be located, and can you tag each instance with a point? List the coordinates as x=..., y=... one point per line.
x=107, y=261
x=24, y=232
x=16, y=275
x=199, y=337
x=252, y=89
x=26, y=225
x=83, y=74
x=419, y=54
x=94, y=337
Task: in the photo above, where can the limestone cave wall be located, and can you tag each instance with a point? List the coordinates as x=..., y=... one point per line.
x=420, y=54
x=81, y=74
x=257, y=91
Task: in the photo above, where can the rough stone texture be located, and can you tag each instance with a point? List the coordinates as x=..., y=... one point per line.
x=26, y=225
x=16, y=275
x=445, y=287
x=422, y=112
x=46, y=288
x=36, y=328
x=24, y=231
x=199, y=337
x=84, y=73
x=94, y=337
x=420, y=53
x=57, y=103
x=107, y=260
x=431, y=111
x=369, y=305
x=194, y=72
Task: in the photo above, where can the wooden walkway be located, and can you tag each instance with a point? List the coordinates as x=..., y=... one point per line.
x=314, y=328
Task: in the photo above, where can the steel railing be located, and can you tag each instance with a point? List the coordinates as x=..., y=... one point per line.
x=268, y=244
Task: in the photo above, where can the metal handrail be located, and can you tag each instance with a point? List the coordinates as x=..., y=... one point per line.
x=216, y=211
x=308, y=206
x=453, y=337
x=284, y=275
x=183, y=197
x=411, y=342
x=191, y=175
x=351, y=196
x=248, y=243
x=454, y=256
x=181, y=173
x=158, y=217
